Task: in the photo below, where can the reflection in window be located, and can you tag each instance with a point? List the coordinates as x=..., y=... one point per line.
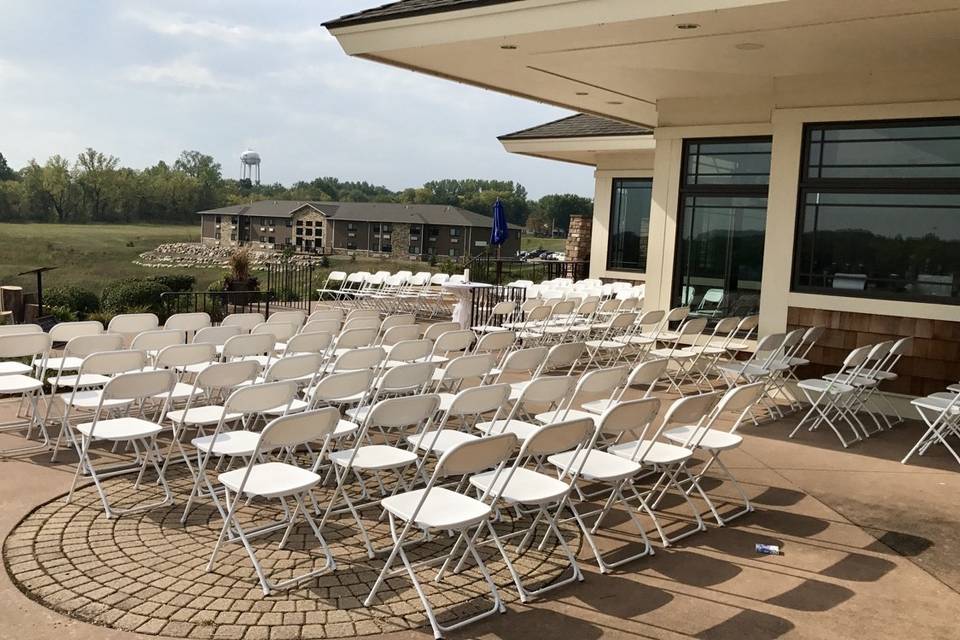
x=880, y=211
x=629, y=224
x=723, y=212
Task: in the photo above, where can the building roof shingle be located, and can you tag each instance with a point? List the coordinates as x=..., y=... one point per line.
x=408, y=9
x=437, y=214
x=581, y=125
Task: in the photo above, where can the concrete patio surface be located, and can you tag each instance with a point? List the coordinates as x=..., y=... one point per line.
x=870, y=549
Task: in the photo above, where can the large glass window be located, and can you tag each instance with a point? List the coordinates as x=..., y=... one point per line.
x=879, y=211
x=629, y=224
x=723, y=213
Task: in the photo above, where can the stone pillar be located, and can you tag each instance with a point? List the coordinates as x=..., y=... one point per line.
x=400, y=239
x=578, y=238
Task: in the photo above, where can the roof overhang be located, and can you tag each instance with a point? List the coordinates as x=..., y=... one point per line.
x=584, y=150
x=627, y=59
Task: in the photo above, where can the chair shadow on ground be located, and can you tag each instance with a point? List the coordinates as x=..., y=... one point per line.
x=619, y=597
x=541, y=624
x=754, y=625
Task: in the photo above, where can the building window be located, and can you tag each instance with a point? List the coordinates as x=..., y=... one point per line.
x=217, y=219
x=455, y=232
x=452, y=252
x=414, y=249
x=351, y=245
x=879, y=211
x=721, y=226
x=629, y=224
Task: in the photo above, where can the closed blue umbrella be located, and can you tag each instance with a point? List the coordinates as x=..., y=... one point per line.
x=498, y=234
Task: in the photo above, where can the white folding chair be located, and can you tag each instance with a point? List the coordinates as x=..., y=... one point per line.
x=255, y=347
x=599, y=382
x=439, y=509
x=217, y=336
x=406, y=351
x=940, y=413
x=831, y=398
x=278, y=479
x=309, y=342
x=244, y=321
x=332, y=285
x=152, y=342
x=130, y=324
x=468, y=407
x=401, y=333
x=16, y=382
x=136, y=390
x=645, y=375
x=545, y=391
x=499, y=313
x=681, y=352
x=437, y=329
x=329, y=325
x=187, y=323
x=296, y=318
x=325, y=314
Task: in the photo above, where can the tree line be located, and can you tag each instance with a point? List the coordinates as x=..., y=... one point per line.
x=95, y=187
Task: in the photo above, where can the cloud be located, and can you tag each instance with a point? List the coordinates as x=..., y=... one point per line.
x=178, y=24
x=178, y=73
x=10, y=71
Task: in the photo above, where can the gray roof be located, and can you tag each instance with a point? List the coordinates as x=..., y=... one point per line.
x=408, y=9
x=438, y=214
x=581, y=125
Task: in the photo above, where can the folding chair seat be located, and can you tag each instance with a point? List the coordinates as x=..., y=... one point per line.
x=940, y=413
x=250, y=402
x=133, y=389
x=440, y=509
x=669, y=460
x=278, y=479
x=27, y=389
x=526, y=487
x=615, y=473
x=603, y=382
x=714, y=441
x=551, y=391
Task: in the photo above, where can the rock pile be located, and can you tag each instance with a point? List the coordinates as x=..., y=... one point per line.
x=202, y=256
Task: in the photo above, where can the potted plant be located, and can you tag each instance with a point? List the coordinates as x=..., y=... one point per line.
x=240, y=277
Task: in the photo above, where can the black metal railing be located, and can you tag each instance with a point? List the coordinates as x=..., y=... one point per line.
x=488, y=268
x=219, y=304
x=483, y=300
x=292, y=285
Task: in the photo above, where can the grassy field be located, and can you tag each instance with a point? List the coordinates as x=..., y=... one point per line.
x=529, y=243
x=91, y=255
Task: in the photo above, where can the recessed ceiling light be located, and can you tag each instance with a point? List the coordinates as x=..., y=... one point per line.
x=686, y=26
x=508, y=47
x=748, y=46
x=582, y=93
x=614, y=102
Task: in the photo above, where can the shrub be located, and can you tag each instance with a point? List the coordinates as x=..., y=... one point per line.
x=324, y=262
x=61, y=313
x=240, y=264
x=176, y=282
x=286, y=294
x=73, y=298
x=124, y=296
x=433, y=260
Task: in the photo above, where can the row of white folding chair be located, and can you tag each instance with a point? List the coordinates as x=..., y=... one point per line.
x=17, y=381
x=940, y=413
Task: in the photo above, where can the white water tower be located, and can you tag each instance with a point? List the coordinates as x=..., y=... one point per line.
x=250, y=166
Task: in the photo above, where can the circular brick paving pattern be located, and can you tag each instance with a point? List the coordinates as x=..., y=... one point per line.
x=146, y=572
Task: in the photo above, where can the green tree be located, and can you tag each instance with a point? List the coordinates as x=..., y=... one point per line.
x=554, y=211
x=6, y=173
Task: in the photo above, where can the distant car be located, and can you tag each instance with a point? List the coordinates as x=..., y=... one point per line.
x=536, y=253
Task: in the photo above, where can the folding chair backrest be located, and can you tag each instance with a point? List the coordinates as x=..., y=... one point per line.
x=66, y=331
x=404, y=411
x=298, y=428
x=109, y=363
x=530, y=304
x=362, y=323
x=472, y=366
x=476, y=455
x=362, y=313
x=330, y=325
x=139, y=385
x=558, y=437
x=309, y=342
x=525, y=360
x=602, y=381
x=691, y=410
x=505, y=308
x=243, y=346
x=24, y=345
x=184, y=355
x=548, y=390
x=218, y=335
x=356, y=338
x=748, y=325
x=324, y=315
x=85, y=345
x=409, y=350
x=564, y=308
x=631, y=417
x=185, y=322
x=437, y=329
x=538, y=314
x=902, y=346
x=19, y=329
x=360, y=358
x=725, y=327
x=564, y=355
x=792, y=340
x=767, y=346
x=226, y=375
x=295, y=318
x=133, y=323
x=407, y=376
x=477, y=400
x=244, y=321
x=157, y=339
x=401, y=333
x=692, y=327
x=677, y=314
x=439, y=278
x=856, y=358
x=495, y=342
x=281, y=331
x=739, y=399
x=624, y=320
x=647, y=374
x=453, y=341
x=347, y=384
x=588, y=307
x=397, y=320
x=296, y=367
x=610, y=306
x=257, y=398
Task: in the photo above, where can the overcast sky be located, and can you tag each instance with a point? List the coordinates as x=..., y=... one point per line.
x=144, y=80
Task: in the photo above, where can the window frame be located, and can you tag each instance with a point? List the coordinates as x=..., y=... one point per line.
x=613, y=200
x=917, y=186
